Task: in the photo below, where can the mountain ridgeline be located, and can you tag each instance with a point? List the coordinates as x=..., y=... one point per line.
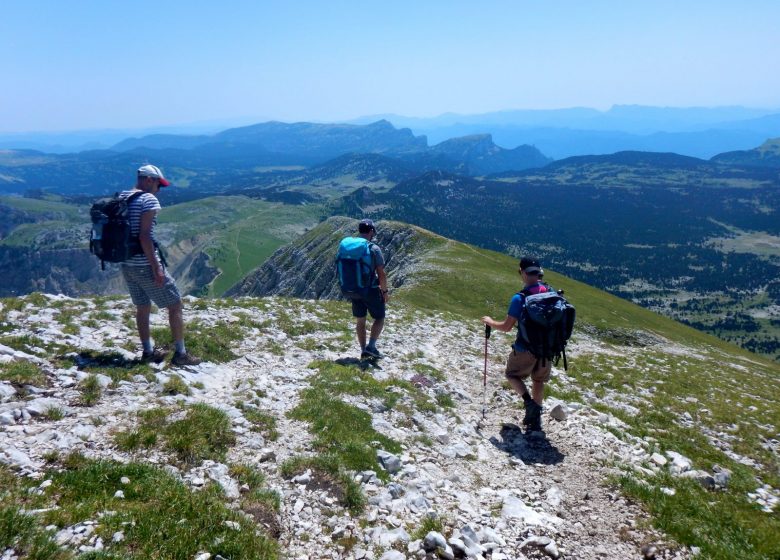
x=222, y=161
x=306, y=268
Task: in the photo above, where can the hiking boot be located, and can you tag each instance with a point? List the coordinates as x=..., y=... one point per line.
x=535, y=426
x=371, y=352
x=533, y=414
x=184, y=359
x=157, y=355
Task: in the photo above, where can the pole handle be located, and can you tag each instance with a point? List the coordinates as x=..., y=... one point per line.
x=487, y=331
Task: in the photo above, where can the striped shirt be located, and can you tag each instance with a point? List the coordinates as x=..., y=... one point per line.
x=147, y=202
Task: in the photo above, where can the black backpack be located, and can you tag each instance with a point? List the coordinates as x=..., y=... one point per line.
x=110, y=238
x=545, y=325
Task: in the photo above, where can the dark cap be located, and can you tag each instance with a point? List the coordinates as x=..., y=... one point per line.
x=530, y=264
x=365, y=226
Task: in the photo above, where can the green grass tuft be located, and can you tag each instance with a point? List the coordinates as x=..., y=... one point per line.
x=262, y=422
x=212, y=343
x=329, y=473
x=22, y=373
x=90, y=390
x=176, y=386
x=155, y=505
x=204, y=433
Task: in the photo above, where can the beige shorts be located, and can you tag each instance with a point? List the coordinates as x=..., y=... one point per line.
x=522, y=365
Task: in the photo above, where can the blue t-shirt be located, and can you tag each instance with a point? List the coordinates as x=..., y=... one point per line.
x=516, y=309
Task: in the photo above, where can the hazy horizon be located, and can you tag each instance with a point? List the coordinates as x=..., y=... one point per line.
x=230, y=122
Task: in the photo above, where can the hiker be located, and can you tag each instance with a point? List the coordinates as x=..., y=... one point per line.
x=362, y=278
x=521, y=364
x=147, y=279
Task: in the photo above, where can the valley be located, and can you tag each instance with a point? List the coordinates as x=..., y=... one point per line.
x=693, y=239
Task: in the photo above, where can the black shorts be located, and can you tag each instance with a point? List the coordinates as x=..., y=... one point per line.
x=373, y=303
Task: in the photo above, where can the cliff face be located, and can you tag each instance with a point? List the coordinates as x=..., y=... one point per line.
x=306, y=268
x=73, y=272
x=76, y=272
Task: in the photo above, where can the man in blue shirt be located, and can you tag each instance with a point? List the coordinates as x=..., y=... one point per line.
x=376, y=300
x=521, y=364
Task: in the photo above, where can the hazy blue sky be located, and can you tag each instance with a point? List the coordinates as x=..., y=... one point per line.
x=74, y=64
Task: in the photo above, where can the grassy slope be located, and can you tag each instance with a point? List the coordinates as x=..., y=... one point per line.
x=730, y=393
x=58, y=215
x=243, y=232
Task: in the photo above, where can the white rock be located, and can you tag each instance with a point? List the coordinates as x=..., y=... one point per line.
x=202, y=556
x=702, y=477
x=680, y=464
x=553, y=496
x=393, y=555
x=12, y=456
x=559, y=412
x=389, y=538
x=6, y=391
x=434, y=540
x=82, y=431
x=514, y=508
x=119, y=494
x=388, y=461
x=219, y=474
x=39, y=407
x=303, y=478
x=658, y=459
x=551, y=550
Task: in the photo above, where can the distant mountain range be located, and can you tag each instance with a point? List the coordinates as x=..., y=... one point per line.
x=242, y=156
x=697, y=131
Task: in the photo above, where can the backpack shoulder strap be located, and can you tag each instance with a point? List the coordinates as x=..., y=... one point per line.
x=133, y=196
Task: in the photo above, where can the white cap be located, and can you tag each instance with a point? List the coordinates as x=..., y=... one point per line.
x=153, y=171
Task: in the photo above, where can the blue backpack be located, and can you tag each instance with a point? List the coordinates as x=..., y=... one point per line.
x=355, y=267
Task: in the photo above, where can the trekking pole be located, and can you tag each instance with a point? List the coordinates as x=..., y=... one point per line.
x=484, y=375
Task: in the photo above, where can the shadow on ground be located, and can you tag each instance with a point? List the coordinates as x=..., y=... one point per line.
x=355, y=362
x=91, y=358
x=531, y=447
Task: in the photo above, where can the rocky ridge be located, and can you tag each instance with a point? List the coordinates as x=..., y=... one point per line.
x=498, y=493
x=306, y=267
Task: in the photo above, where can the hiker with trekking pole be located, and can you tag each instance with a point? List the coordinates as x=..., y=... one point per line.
x=544, y=320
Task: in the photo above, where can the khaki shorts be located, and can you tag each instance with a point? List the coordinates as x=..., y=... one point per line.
x=143, y=290
x=521, y=365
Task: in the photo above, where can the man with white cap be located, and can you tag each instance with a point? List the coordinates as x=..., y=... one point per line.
x=146, y=277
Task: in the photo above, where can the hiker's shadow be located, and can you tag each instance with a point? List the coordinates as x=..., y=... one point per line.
x=362, y=364
x=530, y=448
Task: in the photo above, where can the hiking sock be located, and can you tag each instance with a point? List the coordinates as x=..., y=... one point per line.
x=180, y=349
x=372, y=343
x=147, y=344
x=526, y=398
